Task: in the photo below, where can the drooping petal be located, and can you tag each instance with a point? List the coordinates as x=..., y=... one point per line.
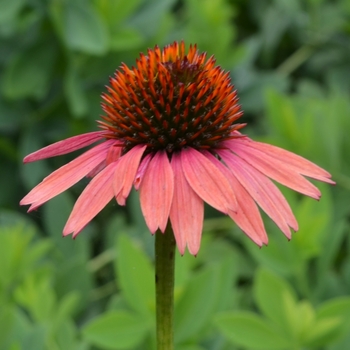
x=64, y=146
x=226, y=172
x=298, y=163
x=97, y=169
x=141, y=171
x=114, y=152
x=263, y=191
x=207, y=180
x=66, y=176
x=113, y=155
x=247, y=216
x=275, y=169
x=187, y=211
x=127, y=168
x=92, y=200
x=156, y=192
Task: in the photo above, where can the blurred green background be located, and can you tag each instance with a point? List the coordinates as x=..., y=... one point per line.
x=290, y=61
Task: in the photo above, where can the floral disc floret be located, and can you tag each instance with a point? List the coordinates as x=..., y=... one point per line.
x=171, y=100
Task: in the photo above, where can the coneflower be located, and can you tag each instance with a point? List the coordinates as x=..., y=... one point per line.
x=170, y=131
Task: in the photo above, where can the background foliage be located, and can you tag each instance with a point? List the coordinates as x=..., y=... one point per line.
x=290, y=63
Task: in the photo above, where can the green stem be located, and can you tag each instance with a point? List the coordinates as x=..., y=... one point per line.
x=164, y=278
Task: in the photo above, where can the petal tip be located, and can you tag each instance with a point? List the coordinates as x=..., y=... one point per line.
x=121, y=200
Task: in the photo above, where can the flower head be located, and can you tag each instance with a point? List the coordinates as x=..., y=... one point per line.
x=170, y=131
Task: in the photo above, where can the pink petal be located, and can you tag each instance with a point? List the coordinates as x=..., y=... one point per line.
x=127, y=168
x=114, y=152
x=275, y=169
x=66, y=176
x=247, y=217
x=97, y=169
x=207, y=180
x=295, y=162
x=113, y=155
x=187, y=211
x=263, y=191
x=227, y=173
x=156, y=192
x=65, y=146
x=92, y=200
x=141, y=171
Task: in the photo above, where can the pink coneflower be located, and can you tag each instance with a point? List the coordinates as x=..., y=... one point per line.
x=169, y=130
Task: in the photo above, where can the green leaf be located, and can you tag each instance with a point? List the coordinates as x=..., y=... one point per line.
x=36, y=337
x=274, y=24
x=10, y=219
x=84, y=30
x=55, y=215
x=278, y=256
x=80, y=281
x=6, y=324
x=332, y=322
x=31, y=173
x=21, y=327
x=342, y=344
x=65, y=309
x=66, y=335
x=202, y=296
x=37, y=296
x=69, y=255
x=18, y=254
x=255, y=87
x=74, y=91
x=314, y=218
x=277, y=301
x=28, y=74
x=289, y=257
x=209, y=25
x=136, y=276
x=9, y=9
x=323, y=332
x=305, y=320
x=282, y=115
x=116, y=11
x=147, y=19
x=116, y=330
x=249, y=330
x=24, y=334
x=125, y=39
x=11, y=117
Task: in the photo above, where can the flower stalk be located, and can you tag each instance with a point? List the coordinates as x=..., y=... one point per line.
x=164, y=279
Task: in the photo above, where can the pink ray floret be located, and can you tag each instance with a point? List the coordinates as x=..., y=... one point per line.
x=247, y=215
x=187, y=224
x=93, y=199
x=156, y=192
x=65, y=146
x=127, y=169
x=207, y=180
